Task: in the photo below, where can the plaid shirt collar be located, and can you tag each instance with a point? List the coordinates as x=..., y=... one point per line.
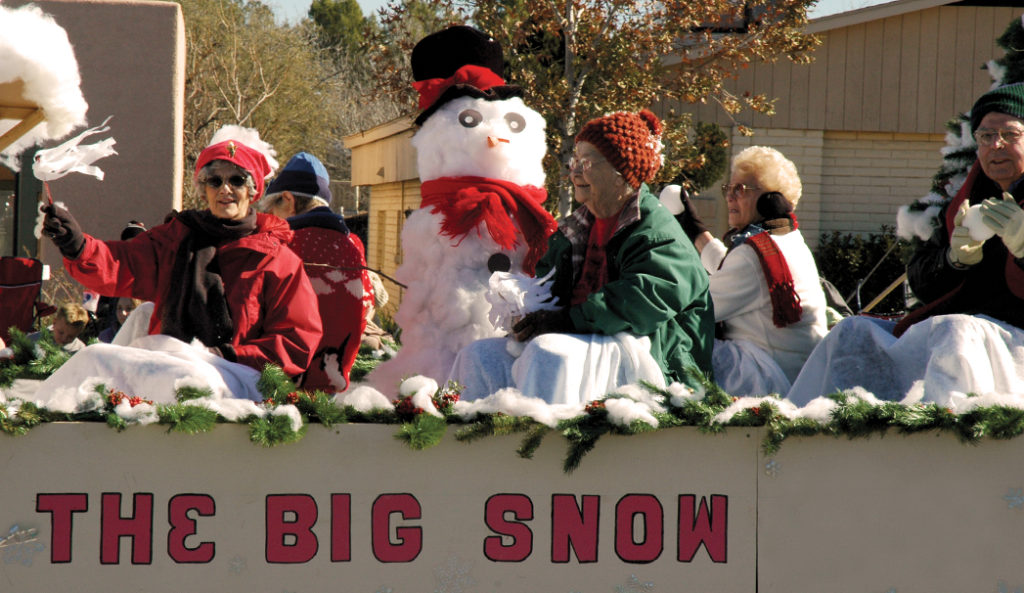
x=576, y=228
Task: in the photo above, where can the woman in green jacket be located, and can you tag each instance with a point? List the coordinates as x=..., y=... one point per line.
x=632, y=294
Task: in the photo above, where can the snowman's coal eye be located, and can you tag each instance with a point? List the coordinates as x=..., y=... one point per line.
x=470, y=118
x=516, y=123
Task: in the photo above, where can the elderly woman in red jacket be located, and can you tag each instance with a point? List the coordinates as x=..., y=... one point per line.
x=223, y=275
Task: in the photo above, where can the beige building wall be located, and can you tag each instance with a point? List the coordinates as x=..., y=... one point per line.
x=871, y=175
x=131, y=56
x=878, y=71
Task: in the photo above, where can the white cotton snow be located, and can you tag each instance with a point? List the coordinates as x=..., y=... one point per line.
x=292, y=413
x=421, y=390
x=363, y=398
x=912, y=223
x=232, y=409
x=650, y=399
x=682, y=393
x=623, y=411
x=35, y=50
x=818, y=409
x=785, y=407
x=511, y=401
x=142, y=413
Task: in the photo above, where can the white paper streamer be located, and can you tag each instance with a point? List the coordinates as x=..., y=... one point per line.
x=71, y=157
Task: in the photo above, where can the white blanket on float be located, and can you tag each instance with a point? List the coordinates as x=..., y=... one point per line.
x=941, y=359
x=744, y=369
x=154, y=367
x=557, y=368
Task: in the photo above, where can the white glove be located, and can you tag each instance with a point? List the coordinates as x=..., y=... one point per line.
x=1006, y=218
x=963, y=250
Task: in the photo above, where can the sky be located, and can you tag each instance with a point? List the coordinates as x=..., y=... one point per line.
x=294, y=10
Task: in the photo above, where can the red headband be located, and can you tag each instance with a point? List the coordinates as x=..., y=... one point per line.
x=470, y=74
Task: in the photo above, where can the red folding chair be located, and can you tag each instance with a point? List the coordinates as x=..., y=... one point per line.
x=21, y=283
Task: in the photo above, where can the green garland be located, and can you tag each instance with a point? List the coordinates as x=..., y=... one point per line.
x=852, y=417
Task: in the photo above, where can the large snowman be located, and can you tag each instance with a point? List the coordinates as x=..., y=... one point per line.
x=479, y=152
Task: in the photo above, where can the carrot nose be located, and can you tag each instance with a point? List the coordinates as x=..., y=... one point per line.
x=492, y=141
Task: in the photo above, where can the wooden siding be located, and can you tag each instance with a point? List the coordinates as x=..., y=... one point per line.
x=383, y=154
x=388, y=204
x=908, y=73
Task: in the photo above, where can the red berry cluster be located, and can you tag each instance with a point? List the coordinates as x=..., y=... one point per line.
x=445, y=399
x=115, y=397
x=406, y=410
x=594, y=406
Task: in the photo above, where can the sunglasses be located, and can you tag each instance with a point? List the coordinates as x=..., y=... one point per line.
x=215, y=181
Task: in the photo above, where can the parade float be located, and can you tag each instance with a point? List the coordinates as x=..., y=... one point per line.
x=641, y=490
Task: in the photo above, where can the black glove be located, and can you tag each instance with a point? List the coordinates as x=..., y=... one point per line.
x=688, y=219
x=543, y=322
x=63, y=230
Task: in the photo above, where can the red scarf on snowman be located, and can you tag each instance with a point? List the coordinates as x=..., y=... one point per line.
x=465, y=202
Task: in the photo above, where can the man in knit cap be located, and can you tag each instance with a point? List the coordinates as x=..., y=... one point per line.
x=335, y=262
x=967, y=337
x=632, y=295
x=955, y=273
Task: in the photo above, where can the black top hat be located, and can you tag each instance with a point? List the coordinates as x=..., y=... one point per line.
x=440, y=55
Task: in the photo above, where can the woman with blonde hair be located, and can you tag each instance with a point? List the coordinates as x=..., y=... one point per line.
x=768, y=299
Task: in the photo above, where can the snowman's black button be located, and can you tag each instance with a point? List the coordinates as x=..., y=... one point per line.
x=499, y=262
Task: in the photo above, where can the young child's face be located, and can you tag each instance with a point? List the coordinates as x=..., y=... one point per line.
x=124, y=308
x=64, y=332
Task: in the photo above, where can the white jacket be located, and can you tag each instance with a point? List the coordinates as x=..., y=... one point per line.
x=740, y=293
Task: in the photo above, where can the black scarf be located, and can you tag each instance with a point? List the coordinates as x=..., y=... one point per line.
x=196, y=305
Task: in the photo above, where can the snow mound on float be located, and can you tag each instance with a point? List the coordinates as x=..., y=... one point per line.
x=35, y=52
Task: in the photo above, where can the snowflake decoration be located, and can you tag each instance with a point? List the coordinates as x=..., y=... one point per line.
x=1015, y=498
x=453, y=576
x=633, y=585
x=1004, y=588
x=20, y=545
x=772, y=468
x=237, y=565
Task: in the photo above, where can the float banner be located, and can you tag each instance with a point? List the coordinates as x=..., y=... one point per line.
x=353, y=509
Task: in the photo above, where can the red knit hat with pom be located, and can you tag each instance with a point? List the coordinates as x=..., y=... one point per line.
x=630, y=141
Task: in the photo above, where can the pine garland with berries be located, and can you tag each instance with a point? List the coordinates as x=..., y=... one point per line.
x=851, y=416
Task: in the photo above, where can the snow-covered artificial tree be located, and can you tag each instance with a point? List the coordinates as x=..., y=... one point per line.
x=919, y=219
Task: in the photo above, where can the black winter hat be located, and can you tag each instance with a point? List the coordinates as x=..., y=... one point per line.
x=1007, y=99
x=439, y=67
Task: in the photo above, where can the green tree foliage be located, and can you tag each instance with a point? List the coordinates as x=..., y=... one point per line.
x=871, y=263
x=286, y=81
x=582, y=58
x=340, y=24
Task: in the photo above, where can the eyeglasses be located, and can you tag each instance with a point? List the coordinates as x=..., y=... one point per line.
x=738, y=187
x=1009, y=136
x=579, y=163
x=215, y=181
